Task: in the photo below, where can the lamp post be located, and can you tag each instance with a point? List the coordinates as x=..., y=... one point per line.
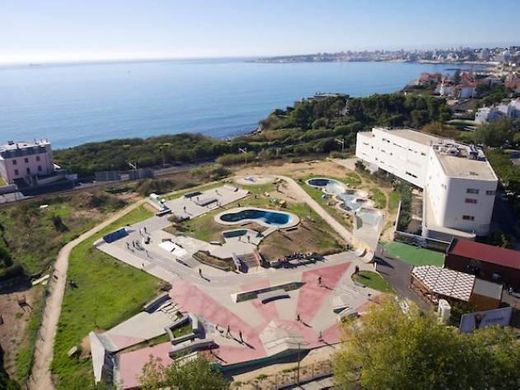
x=298, y=369
x=244, y=151
x=341, y=141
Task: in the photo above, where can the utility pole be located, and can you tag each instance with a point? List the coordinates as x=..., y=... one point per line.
x=341, y=141
x=298, y=370
x=244, y=151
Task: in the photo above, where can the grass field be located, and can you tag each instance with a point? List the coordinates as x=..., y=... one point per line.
x=108, y=292
x=393, y=200
x=413, y=255
x=378, y=197
x=372, y=280
x=352, y=179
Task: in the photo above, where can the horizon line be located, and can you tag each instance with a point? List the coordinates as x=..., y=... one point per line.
x=157, y=58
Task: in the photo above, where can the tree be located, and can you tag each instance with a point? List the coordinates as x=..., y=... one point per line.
x=494, y=133
x=393, y=350
x=197, y=374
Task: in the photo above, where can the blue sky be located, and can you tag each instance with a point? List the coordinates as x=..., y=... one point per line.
x=39, y=30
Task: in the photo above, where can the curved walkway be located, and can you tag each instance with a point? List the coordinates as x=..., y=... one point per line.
x=40, y=378
x=301, y=194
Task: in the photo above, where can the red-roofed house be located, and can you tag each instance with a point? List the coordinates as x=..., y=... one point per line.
x=484, y=261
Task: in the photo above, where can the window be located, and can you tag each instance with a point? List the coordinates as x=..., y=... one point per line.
x=37, y=158
x=28, y=170
x=468, y=217
x=26, y=159
x=423, y=154
x=471, y=200
x=14, y=162
x=490, y=192
x=16, y=172
x=39, y=168
x=471, y=190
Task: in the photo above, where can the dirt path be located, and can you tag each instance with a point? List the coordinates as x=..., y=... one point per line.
x=40, y=378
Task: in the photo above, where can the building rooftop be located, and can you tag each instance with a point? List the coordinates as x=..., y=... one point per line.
x=484, y=252
x=23, y=148
x=446, y=282
x=463, y=167
x=412, y=135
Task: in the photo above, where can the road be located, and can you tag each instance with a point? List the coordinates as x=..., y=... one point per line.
x=40, y=378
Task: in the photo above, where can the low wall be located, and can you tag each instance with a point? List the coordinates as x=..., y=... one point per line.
x=425, y=242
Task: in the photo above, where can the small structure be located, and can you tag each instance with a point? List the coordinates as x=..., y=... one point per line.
x=114, y=236
x=486, y=262
x=279, y=341
x=436, y=283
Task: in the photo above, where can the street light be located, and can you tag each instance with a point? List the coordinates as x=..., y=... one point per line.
x=244, y=151
x=341, y=142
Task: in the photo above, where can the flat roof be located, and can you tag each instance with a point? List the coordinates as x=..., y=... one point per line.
x=462, y=167
x=446, y=282
x=412, y=135
x=22, y=145
x=488, y=253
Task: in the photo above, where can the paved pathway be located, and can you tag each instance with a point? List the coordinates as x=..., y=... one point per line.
x=40, y=378
x=300, y=193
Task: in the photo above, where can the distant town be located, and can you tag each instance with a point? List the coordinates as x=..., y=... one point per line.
x=497, y=55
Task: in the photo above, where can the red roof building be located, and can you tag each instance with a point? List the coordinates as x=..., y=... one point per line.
x=484, y=261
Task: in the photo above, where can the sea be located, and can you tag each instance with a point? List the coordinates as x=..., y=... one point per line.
x=72, y=104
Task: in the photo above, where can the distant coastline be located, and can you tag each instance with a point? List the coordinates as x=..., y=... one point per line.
x=74, y=104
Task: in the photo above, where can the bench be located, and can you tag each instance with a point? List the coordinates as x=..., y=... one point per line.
x=272, y=295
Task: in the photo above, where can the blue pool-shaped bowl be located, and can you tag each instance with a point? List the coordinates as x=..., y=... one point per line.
x=261, y=216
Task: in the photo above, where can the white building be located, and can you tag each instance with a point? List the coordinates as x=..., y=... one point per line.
x=26, y=161
x=458, y=183
x=509, y=110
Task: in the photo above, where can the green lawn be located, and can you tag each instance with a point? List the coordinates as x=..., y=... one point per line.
x=393, y=200
x=372, y=280
x=108, y=292
x=352, y=179
x=412, y=254
x=378, y=197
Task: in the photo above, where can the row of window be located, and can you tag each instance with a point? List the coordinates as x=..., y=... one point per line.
x=26, y=160
x=27, y=170
x=476, y=191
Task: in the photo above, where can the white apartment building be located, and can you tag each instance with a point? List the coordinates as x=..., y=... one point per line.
x=25, y=160
x=509, y=110
x=458, y=183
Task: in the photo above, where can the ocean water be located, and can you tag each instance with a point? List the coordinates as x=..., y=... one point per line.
x=74, y=104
